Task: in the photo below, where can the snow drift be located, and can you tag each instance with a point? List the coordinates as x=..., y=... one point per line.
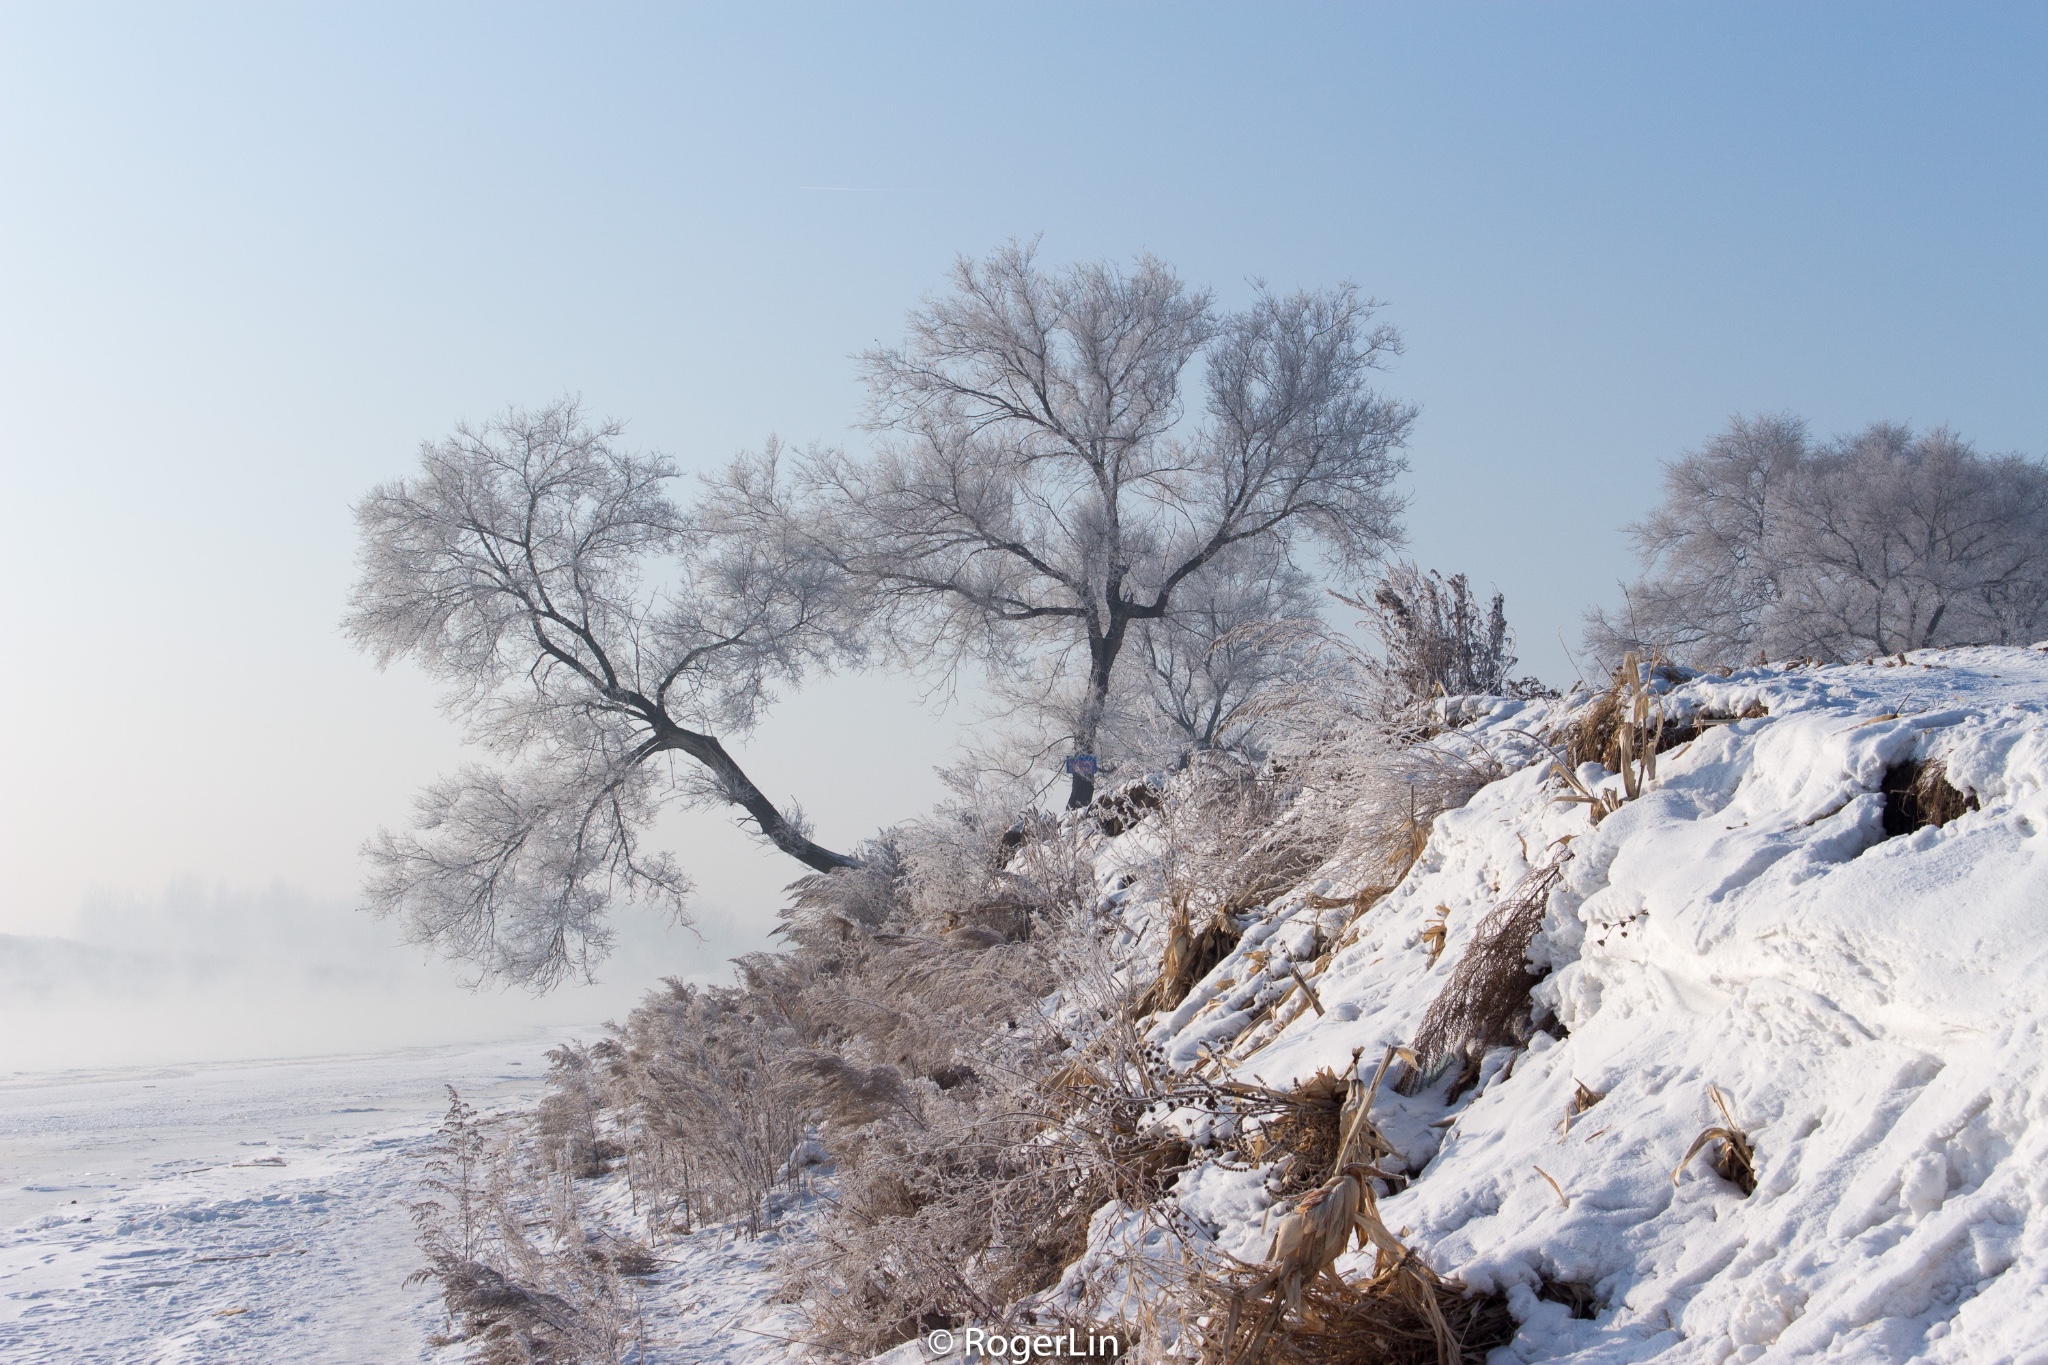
x=1869, y=999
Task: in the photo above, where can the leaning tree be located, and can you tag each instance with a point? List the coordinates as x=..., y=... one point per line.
x=598, y=641
x=1040, y=487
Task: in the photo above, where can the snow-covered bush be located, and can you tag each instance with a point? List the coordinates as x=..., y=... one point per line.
x=705, y=1103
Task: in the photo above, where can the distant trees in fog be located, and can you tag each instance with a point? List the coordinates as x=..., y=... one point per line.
x=1770, y=542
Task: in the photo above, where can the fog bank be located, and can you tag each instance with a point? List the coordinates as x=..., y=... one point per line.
x=213, y=974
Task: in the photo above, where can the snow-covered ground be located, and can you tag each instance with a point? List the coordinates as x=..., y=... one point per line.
x=713, y=1300
x=248, y=1211
x=1875, y=1011
x=257, y=1212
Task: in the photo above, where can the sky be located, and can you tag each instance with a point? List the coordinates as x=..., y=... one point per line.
x=250, y=257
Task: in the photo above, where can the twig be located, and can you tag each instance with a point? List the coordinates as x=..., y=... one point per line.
x=1308, y=990
x=734, y=1326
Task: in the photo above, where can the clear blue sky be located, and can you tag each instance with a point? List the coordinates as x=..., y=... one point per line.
x=250, y=256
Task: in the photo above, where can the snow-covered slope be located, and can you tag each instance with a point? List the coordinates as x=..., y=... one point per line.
x=1875, y=1011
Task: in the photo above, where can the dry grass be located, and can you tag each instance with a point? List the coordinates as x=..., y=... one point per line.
x=1623, y=729
x=1190, y=954
x=960, y=1222
x=1435, y=932
x=1485, y=1004
x=1296, y=1310
x=1583, y=1098
x=1301, y=1131
x=1734, y=1158
x=504, y=1321
x=1306, y=1134
x=1389, y=1320
x=1918, y=795
x=1308, y=992
x=1590, y=738
x=514, y=1298
x=1599, y=805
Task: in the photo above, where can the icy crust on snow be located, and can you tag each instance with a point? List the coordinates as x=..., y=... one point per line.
x=1873, y=1009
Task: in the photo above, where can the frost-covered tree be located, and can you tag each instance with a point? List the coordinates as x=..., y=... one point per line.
x=597, y=641
x=1196, y=678
x=1040, y=489
x=1906, y=541
x=1873, y=543
x=1716, y=571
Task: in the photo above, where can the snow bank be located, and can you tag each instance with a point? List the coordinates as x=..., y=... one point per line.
x=1874, y=1009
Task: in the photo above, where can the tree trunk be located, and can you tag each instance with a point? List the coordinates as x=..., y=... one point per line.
x=1102, y=652
x=741, y=791
x=1933, y=623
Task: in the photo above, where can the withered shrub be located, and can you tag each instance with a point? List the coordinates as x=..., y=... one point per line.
x=1485, y=1004
x=514, y=1297
x=1403, y=1314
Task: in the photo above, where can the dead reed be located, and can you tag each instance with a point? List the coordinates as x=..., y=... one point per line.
x=1435, y=932
x=1189, y=955
x=1583, y=1098
x=1302, y=1132
x=1623, y=729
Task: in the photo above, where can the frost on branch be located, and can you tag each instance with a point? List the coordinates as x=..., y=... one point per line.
x=1768, y=542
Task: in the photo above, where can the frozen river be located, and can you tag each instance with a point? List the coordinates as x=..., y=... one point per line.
x=245, y=1211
